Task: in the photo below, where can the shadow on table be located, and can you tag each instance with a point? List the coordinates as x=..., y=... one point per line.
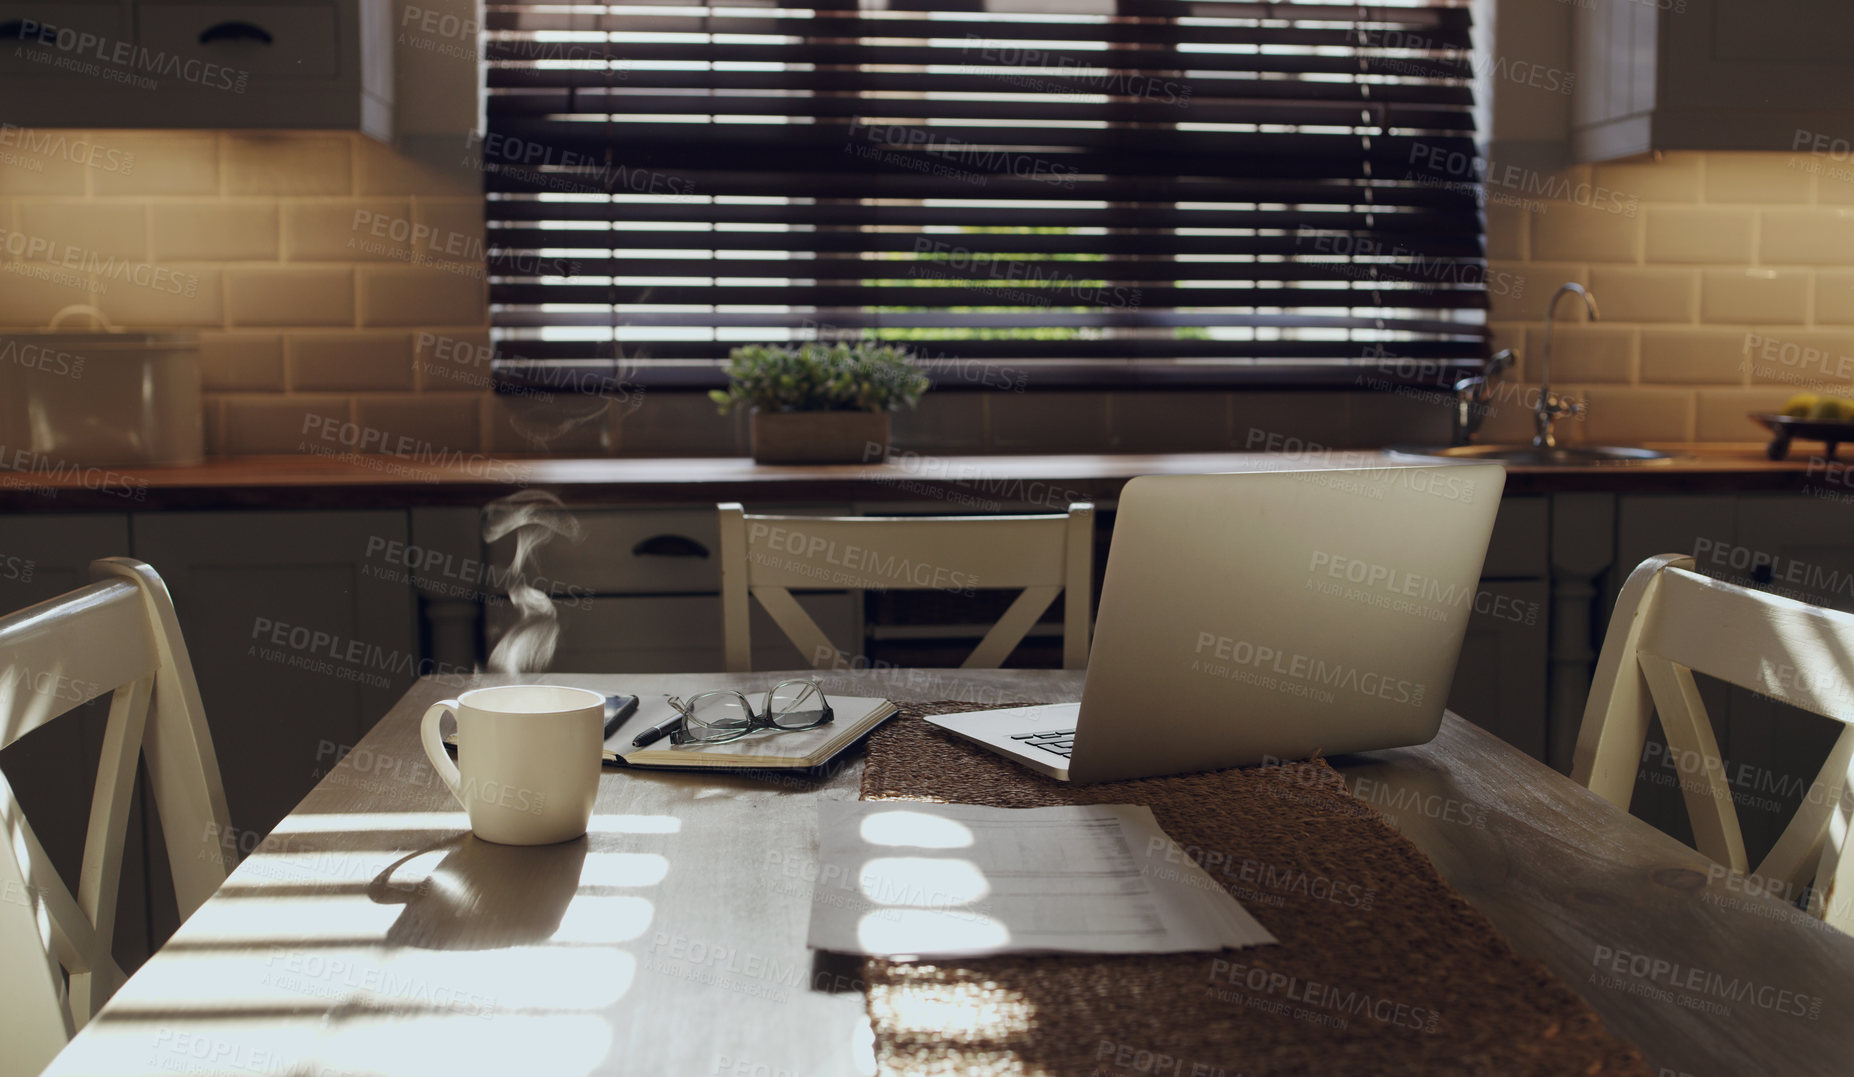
x=482, y=896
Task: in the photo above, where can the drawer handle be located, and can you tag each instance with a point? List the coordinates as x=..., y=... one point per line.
x=669, y=546
x=236, y=31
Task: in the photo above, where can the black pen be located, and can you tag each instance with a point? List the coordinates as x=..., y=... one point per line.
x=658, y=732
x=618, y=709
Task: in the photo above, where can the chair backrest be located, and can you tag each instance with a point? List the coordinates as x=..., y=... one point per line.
x=1671, y=621
x=119, y=636
x=767, y=556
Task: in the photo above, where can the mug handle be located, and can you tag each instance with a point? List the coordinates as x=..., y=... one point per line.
x=434, y=747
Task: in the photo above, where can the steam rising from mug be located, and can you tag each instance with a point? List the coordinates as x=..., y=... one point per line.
x=534, y=517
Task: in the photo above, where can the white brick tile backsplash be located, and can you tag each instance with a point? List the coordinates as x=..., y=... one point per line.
x=288, y=164
x=347, y=230
x=1674, y=178
x=430, y=425
x=167, y=295
x=31, y=293
x=1809, y=360
x=283, y=424
x=1582, y=353
x=1724, y=413
x=1630, y=294
x=305, y=311
x=290, y=296
x=448, y=229
x=412, y=295
x=1625, y=415
x=1693, y=356
x=453, y=359
x=1766, y=178
x=348, y=360
x=75, y=233
x=260, y=241
x=1700, y=234
x=156, y=163
x=1807, y=236
x=1528, y=286
x=1755, y=296
x=40, y=163
x=251, y=362
x=229, y=230
x=1570, y=233
x=1834, y=296
x=1834, y=185
x=440, y=171
x=1507, y=232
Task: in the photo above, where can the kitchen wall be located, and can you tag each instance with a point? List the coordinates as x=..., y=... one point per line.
x=1725, y=282
x=290, y=254
x=334, y=280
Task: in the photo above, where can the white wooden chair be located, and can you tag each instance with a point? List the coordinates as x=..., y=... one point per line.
x=118, y=634
x=767, y=556
x=1670, y=621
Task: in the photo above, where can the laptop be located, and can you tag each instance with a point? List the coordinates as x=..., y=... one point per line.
x=1268, y=614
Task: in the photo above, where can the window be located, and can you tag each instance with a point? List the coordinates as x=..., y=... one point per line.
x=1102, y=191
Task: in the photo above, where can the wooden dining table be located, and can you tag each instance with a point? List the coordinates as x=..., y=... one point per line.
x=370, y=934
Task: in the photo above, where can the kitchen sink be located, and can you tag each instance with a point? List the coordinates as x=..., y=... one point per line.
x=1561, y=456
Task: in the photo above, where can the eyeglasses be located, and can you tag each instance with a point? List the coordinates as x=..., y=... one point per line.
x=724, y=714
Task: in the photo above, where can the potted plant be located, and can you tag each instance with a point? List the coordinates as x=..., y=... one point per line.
x=819, y=403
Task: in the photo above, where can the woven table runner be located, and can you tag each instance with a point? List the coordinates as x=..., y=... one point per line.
x=1382, y=968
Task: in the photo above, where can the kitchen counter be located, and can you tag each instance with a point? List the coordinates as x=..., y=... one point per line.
x=963, y=483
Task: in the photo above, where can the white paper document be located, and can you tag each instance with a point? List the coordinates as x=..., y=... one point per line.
x=912, y=879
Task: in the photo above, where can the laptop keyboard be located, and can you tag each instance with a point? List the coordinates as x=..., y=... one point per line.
x=1058, y=741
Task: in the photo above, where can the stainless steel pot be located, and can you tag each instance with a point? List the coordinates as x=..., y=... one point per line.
x=117, y=399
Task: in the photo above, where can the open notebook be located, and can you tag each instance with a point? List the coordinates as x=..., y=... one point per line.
x=759, y=750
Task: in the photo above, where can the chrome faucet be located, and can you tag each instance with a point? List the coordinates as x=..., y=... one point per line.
x=1474, y=395
x=1545, y=413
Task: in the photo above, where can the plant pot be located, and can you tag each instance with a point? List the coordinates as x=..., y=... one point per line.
x=818, y=437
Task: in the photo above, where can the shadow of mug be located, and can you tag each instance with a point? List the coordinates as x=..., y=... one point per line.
x=482, y=896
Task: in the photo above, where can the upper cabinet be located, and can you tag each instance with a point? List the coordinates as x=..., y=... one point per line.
x=1710, y=75
x=288, y=64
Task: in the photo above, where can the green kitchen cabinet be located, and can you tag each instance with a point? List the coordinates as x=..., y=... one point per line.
x=302, y=634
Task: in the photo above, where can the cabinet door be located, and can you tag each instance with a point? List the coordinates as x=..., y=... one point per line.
x=43, y=556
x=54, y=770
x=1500, y=680
x=299, y=644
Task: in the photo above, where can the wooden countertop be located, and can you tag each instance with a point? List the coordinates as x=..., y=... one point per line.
x=962, y=483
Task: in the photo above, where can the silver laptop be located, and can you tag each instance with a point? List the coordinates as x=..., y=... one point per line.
x=1266, y=614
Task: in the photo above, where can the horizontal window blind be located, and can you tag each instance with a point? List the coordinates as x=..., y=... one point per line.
x=1111, y=182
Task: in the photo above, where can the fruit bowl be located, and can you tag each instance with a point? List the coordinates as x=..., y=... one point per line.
x=1784, y=428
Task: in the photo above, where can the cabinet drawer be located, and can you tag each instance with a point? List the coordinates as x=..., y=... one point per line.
x=1519, y=547
x=63, y=38
x=267, y=41
x=676, y=634
x=644, y=551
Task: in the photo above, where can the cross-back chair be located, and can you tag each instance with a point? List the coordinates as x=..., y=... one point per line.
x=1671, y=621
x=116, y=637
x=765, y=557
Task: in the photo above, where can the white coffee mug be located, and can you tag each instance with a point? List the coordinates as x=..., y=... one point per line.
x=528, y=758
